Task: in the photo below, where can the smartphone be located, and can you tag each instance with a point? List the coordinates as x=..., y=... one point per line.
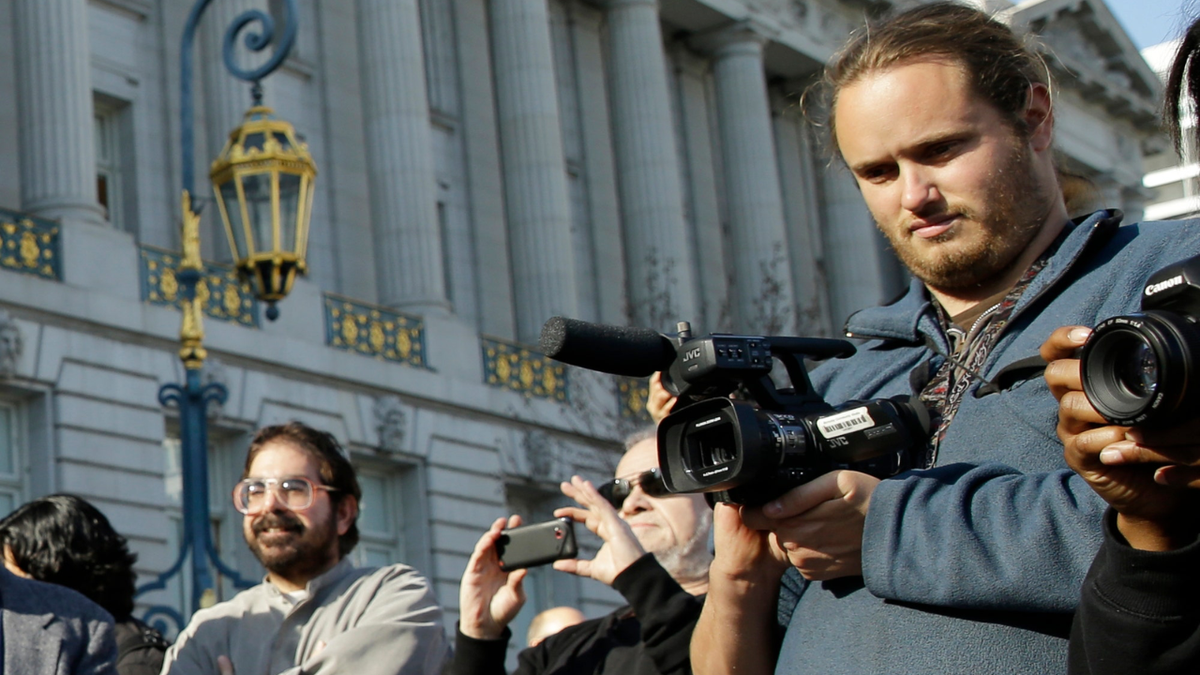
x=537, y=544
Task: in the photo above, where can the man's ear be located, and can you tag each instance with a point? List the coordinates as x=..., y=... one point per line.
x=347, y=512
x=1039, y=117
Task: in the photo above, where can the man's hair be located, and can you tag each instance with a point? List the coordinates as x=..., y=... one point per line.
x=62, y=539
x=332, y=461
x=999, y=66
x=1183, y=82
x=643, y=434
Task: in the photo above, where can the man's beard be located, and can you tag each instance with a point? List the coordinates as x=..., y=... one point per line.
x=690, y=559
x=306, y=554
x=1019, y=207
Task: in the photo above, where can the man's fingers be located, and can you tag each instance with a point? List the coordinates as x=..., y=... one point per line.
x=1128, y=452
x=224, y=665
x=574, y=566
x=1063, y=342
x=487, y=542
x=1178, y=476
x=806, y=497
x=1075, y=406
x=1063, y=376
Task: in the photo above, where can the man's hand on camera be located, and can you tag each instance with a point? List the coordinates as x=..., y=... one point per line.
x=659, y=401
x=820, y=524
x=489, y=598
x=621, y=548
x=744, y=554
x=1137, y=471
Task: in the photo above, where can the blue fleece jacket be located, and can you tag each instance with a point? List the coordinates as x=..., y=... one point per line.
x=973, y=566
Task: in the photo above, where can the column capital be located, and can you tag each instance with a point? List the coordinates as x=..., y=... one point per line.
x=748, y=36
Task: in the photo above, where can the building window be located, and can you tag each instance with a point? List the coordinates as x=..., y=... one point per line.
x=113, y=137
x=108, y=165
x=381, y=537
x=12, y=478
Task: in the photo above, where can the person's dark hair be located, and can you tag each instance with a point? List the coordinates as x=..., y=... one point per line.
x=332, y=460
x=62, y=539
x=1183, y=81
x=1000, y=67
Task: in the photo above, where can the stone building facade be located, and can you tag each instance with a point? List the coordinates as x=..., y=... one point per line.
x=484, y=165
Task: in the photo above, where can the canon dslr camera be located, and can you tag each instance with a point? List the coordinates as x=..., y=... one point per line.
x=1140, y=369
x=753, y=449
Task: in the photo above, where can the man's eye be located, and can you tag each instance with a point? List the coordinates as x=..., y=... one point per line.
x=292, y=486
x=876, y=173
x=942, y=149
x=256, y=488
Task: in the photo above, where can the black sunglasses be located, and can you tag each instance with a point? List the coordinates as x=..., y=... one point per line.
x=617, y=489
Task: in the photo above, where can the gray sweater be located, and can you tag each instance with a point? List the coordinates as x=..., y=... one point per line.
x=371, y=622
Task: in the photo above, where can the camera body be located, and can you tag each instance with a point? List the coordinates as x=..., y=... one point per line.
x=750, y=452
x=1139, y=369
x=753, y=448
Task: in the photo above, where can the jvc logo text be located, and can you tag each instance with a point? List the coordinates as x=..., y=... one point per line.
x=691, y=354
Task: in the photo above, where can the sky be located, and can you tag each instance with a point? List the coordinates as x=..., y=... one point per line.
x=1150, y=22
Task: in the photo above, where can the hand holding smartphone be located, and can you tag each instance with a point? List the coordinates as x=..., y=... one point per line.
x=537, y=544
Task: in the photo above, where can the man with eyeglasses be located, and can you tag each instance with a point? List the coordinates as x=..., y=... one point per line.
x=655, y=553
x=314, y=612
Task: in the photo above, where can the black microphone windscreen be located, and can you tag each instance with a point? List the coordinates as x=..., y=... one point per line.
x=619, y=350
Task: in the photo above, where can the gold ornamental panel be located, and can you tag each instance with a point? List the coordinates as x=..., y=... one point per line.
x=632, y=393
x=30, y=245
x=512, y=366
x=374, y=331
x=222, y=295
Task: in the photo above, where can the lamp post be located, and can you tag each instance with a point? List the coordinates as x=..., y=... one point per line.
x=263, y=186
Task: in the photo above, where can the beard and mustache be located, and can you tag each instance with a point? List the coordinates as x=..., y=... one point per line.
x=296, y=549
x=1009, y=220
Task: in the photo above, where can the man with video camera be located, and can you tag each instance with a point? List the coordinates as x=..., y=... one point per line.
x=973, y=562
x=655, y=554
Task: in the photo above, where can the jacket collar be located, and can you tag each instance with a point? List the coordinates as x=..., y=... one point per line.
x=909, y=319
x=314, y=585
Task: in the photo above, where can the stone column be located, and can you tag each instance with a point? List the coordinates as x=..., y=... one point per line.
x=801, y=201
x=763, y=298
x=660, y=268
x=853, y=256
x=535, y=177
x=54, y=109
x=408, y=247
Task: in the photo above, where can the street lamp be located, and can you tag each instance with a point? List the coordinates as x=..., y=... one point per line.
x=263, y=181
x=263, y=185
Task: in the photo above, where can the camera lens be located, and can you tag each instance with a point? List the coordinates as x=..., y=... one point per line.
x=1136, y=368
x=711, y=446
x=1138, y=372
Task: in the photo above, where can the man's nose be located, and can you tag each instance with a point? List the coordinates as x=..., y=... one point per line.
x=636, y=502
x=919, y=188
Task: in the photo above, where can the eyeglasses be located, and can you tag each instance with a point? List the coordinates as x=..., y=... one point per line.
x=617, y=489
x=250, y=495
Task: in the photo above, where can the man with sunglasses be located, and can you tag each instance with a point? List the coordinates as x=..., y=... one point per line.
x=315, y=612
x=655, y=553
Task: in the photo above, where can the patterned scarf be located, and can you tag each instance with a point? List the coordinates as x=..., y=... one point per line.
x=969, y=350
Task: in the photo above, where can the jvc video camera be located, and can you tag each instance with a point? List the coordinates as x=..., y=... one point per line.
x=753, y=449
x=1140, y=369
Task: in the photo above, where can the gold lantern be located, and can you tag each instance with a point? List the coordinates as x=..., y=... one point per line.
x=263, y=181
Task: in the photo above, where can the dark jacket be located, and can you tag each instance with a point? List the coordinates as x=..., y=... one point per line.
x=1140, y=611
x=140, y=648
x=53, y=630
x=650, y=636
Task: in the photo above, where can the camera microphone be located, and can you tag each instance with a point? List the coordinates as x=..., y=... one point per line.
x=617, y=350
